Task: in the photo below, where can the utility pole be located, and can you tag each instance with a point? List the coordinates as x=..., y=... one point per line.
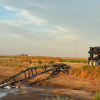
x=76, y=49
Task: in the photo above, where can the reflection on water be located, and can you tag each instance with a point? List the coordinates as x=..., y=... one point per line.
x=6, y=90
x=65, y=97
x=2, y=94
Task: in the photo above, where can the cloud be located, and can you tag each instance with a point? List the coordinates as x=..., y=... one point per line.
x=31, y=18
x=27, y=16
x=14, y=35
x=11, y=23
x=66, y=29
x=11, y=8
x=63, y=29
x=3, y=28
x=70, y=22
x=5, y=17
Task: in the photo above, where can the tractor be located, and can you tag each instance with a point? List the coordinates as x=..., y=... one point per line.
x=94, y=58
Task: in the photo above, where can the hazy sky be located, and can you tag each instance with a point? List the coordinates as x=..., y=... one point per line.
x=49, y=27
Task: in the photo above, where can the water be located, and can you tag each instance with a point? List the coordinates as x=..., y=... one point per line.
x=6, y=90
x=65, y=97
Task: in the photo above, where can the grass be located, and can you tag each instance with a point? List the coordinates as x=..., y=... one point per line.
x=42, y=58
x=51, y=62
x=13, y=61
x=74, y=60
x=8, y=56
x=22, y=62
x=85, y=67
x=2, y=56
x=57, y=98
x=86, y=71
x=10, y=62
x=96, y=96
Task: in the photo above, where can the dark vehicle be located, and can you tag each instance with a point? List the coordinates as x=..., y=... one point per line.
x=94, y=58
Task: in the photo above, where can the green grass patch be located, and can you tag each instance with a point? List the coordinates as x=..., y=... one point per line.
x=2, y=56
x=8, y=56
x=73, y=60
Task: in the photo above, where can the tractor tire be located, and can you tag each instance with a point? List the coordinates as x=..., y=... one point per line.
x=94, y=63
x=90, y=63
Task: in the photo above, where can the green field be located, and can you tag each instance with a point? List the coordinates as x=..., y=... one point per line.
x=2, y=56
x=8, y=56
x=74, y=60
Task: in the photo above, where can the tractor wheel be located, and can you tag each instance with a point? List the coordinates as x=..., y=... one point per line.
x=90, y=63
x=94, y=63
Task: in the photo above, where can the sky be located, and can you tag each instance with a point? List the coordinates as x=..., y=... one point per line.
x=49, y=27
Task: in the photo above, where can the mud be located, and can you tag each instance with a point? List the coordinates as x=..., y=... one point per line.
x=66, y=85
x=42, y=92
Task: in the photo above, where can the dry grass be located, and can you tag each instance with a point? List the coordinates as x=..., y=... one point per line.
x=86, y=71
x=28, y=58
x=25, y=63
x=42, y=58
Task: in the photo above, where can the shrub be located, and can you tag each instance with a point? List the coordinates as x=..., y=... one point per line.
x=85, y=67
x=88, y=71
x=39, y=61
x=51, y=62
x=27, y=66
x=30, y=61
x=34, y=61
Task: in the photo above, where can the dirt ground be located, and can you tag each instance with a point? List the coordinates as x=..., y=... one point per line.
x=6, y=72
x=67, y=84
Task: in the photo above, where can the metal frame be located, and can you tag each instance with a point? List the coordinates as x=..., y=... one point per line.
x=55, y=68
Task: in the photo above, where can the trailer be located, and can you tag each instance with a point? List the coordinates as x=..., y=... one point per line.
x=33, y=72
x=94, y=58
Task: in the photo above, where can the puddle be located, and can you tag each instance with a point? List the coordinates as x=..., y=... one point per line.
x=35, y=91
x=7, y=90
x=2, y=94
x=65, y=97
